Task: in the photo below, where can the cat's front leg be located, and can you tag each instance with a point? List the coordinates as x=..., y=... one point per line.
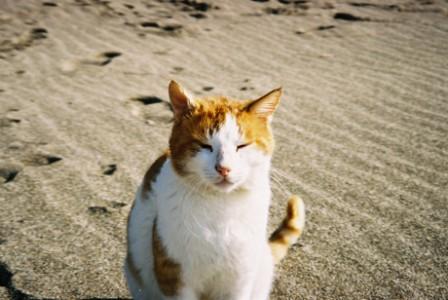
x=242, y=288
x=265, y=274
x=238, y=293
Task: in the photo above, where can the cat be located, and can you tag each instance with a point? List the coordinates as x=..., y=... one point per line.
x=197, y=228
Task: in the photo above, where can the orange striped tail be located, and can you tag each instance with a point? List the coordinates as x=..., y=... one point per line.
x=290, y=229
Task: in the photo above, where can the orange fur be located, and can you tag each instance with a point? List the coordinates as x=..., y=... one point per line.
x=167, y=271
x=152, y=173
x=290, y=229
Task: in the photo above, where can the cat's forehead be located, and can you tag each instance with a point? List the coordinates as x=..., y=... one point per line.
x=215, y=106
x=213, y=115
x=228, y=131
x=228, y=119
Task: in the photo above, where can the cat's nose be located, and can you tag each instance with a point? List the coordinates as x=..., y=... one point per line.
x=223, y=171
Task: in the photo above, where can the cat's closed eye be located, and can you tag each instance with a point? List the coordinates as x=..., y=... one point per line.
x=206, y=146
x=242, y=146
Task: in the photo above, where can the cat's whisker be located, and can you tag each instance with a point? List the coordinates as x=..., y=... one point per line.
x=279, y=185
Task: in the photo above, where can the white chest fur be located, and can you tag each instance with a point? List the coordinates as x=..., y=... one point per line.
x=210, y=234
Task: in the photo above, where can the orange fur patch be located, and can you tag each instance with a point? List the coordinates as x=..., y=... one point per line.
x=256, y=130
x=152, y=173
x=288, y=232
x=166, y=270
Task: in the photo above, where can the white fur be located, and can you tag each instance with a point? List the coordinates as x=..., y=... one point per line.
x=217, y=234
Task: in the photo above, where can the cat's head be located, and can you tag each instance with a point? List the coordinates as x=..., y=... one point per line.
x=220, y=143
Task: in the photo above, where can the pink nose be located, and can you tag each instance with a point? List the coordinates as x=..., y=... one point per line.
x=224, y=171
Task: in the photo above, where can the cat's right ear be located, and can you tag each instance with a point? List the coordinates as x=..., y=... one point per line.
x=180, y=100
x=265, y=106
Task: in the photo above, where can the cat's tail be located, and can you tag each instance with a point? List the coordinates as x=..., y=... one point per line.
x=290, y=229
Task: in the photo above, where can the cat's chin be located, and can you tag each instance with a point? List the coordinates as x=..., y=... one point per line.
x=225, y=186
x=211, y=186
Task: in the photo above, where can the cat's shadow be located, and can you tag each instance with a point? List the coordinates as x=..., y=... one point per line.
x=16, y=294
x=101, y=298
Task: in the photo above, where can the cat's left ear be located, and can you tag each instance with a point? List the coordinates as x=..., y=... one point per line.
x=180, y=100
x=266, y=105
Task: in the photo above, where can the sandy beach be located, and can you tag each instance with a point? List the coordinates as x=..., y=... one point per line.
x=361, y=134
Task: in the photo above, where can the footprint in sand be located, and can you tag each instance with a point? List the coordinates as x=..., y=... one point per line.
x=198, y=15
x=100, y=59
x=146, y=100
x=9, y=171
x=349, y=17
x=289, y=7
x=16, y=145
x=296, y=2
x=319, y=28
x=81, y=3
x=49, y=4
x=24, y=40
x=177, y=69
x=101, y=210
x=27, y=38
x=7, y=283
x=386, y=7
x=325, y=27
x=172, y=28
x=41, y=159
x=8, y=122
x=161, y=29
x=296, y=10
x=116, y=204
x=150, y=24
x=245, y=88
x=152, y=109
x=188, y=5
x=98, y=210
x=109, y=169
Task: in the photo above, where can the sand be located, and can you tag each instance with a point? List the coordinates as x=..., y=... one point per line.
x=362, y=134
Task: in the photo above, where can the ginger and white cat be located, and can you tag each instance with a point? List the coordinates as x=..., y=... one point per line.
x=197, y=228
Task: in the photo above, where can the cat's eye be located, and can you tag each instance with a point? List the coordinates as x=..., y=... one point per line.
x=206, y=146
x=242, y=146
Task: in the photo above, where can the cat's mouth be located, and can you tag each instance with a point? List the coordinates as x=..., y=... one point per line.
x=224, y=183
